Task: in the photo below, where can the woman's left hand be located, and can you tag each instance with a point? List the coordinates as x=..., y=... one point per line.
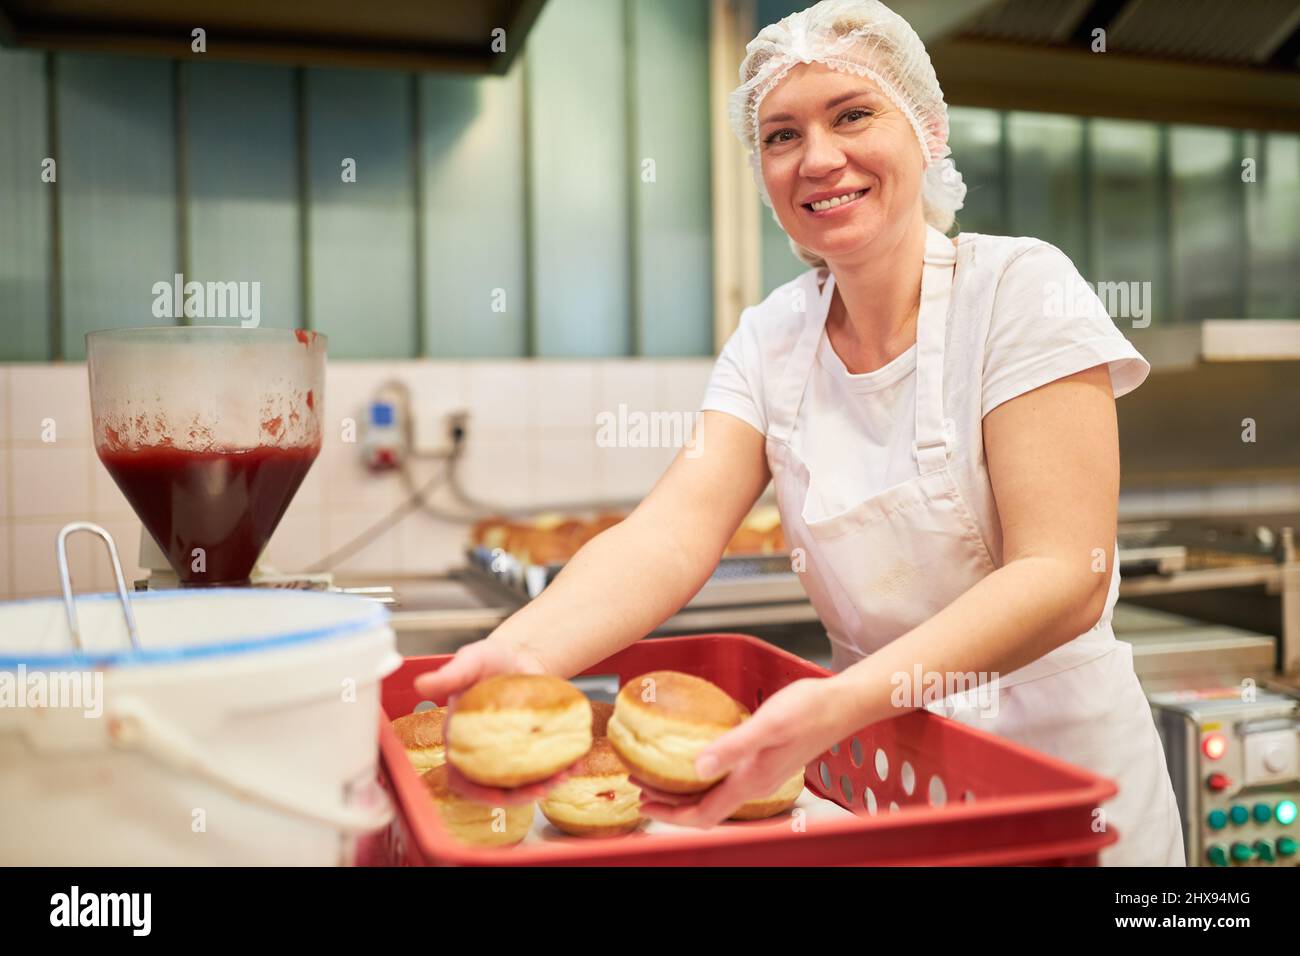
x=792, y=727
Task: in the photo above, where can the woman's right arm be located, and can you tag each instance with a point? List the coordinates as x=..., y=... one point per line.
x=632, y=577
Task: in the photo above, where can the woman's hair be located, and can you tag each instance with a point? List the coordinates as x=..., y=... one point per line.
x=866, y=38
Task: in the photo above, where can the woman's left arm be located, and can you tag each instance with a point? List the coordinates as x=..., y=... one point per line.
x=1053, y=460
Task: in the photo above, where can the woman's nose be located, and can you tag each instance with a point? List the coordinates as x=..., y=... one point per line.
x=821, y=154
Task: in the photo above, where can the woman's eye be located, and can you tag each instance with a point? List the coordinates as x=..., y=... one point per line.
x=780, y=136
x=855, y=114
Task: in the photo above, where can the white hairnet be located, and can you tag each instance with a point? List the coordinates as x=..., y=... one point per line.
x=866, y=38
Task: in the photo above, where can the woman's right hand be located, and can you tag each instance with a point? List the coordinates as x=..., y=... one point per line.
x=471, y=664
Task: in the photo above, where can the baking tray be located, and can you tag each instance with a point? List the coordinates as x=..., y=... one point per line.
x=921, y=789
x=738, y=579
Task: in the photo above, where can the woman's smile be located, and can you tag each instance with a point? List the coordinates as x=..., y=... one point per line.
x=834, y=204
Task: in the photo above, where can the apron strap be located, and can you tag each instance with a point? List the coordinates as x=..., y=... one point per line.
x=931, y=445
x=789, y=392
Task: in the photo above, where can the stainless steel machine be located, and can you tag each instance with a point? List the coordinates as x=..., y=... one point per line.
x=1212, y=610
x=1234, y=757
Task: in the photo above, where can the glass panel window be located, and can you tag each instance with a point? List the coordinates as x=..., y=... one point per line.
x=975, y=137
x=1273, y=226
x=1127, y=217
x=1046, y=178
x=1207, y=229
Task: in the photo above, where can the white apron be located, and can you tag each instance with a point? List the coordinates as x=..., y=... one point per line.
x=904, y=553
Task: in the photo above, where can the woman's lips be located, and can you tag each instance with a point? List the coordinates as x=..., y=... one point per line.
x=836, y=210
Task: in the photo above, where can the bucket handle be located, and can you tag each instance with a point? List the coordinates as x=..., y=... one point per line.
x=134, y=725
x=65, y=580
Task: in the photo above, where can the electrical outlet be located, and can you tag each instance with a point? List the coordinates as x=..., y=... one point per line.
x=457, y=427
x=440, y=434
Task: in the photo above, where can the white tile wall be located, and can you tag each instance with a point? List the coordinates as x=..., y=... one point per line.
x=43, y=394
x=532, y=441
x=532, y=431
x=6, y=404
x=51, y=481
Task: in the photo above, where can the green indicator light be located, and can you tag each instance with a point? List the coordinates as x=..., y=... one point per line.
x=1263, y=813
x=1242, y=853
x=1217, y=820
x=1265, y=850
x=1285, y=812
x=1240, y=815
x=1216, y=855
x=1285, y=846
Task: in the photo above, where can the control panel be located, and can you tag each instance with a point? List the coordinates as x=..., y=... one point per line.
x=1234, y=758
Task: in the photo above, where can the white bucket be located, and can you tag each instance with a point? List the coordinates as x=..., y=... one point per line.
x=244, y=731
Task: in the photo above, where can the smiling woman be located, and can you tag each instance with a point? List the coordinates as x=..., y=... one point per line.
x=870, y=81
x=940, y=437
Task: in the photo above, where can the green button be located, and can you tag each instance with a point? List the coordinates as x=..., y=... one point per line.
x=1285, y=846
x=1217, y=855
x=1285, y=812
x=1240, y=815
x=1242, y=853
x=1217, y=820
x=1263, y=813
x=1265, y=850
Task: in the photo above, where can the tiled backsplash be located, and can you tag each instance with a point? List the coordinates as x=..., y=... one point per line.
x=532, y=442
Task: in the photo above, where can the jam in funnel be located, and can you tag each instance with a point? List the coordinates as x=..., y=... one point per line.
x=208, y=432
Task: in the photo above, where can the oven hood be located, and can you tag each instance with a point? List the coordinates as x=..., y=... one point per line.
x=448, y=35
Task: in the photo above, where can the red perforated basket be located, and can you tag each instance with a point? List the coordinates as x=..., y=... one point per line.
x=964, y=797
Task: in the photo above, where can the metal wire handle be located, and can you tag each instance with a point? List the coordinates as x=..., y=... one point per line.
x=65, y=579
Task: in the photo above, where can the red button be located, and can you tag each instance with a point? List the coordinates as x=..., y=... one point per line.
x=1218, y=781
x=1215, y=745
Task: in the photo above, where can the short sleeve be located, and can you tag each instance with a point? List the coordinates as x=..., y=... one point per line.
x=736, y=385
x=1047, y=323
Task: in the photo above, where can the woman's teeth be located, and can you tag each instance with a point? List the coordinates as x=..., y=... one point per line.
x=836, y=201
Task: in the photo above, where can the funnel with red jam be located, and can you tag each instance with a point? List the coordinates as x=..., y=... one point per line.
x=208, y=432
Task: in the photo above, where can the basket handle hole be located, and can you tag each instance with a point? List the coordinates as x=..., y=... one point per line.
x=600, y=687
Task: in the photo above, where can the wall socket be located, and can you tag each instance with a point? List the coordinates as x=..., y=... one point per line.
x=437, y=434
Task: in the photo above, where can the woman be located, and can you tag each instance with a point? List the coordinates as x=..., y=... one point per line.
x=942, y=443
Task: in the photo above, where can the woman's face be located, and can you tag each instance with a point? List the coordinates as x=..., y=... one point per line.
x=826, y=134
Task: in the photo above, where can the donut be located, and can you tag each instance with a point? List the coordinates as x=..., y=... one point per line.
x=478, y=824
x=421, y=735
x=515, y=729
x=785, y=797
x=663, y=720
x=759, y=533
x=600, y=714
x=490, y=532
x=596, y=799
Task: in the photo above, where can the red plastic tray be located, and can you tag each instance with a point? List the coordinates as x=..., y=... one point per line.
x=1000, y=803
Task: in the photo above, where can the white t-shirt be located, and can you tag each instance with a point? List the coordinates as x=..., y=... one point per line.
x=1020, y=316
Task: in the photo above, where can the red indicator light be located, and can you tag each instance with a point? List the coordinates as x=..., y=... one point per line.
x=1218, y=781
x=1215, y=746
